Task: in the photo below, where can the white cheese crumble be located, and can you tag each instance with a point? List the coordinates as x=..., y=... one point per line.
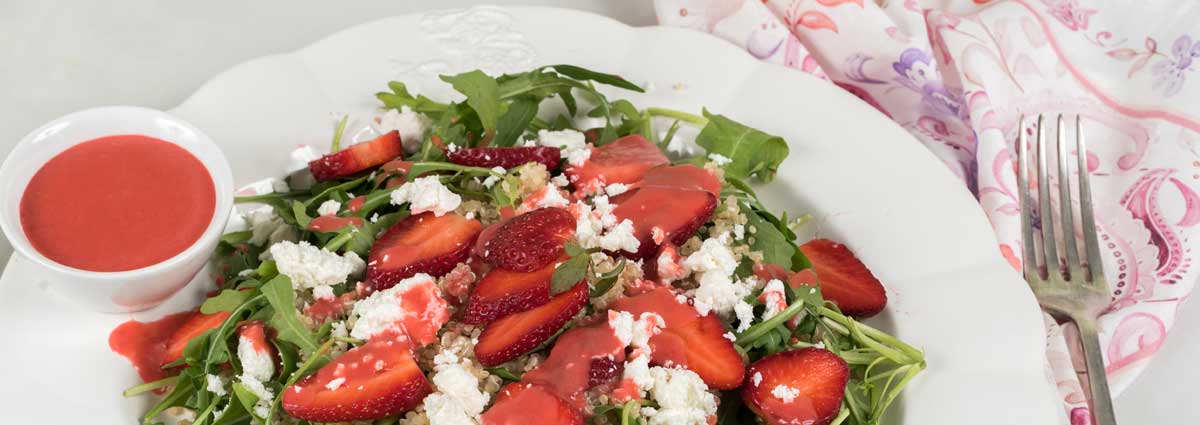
x=739, y=231
x=616, y=189
x=267, y=227
x=718, y=159
x=552, y=198
x=216, y=385
x=492, y=179
x=381, y=311
x=458, y=399
x=682, y=398
x=314, y=268
x=620, y=237
x=714, y=264
x=330, y=207
x=757, y=378
x=773, y=298
x=427, y=194
x=280, y=186
x=255, y=364
x=560, y=180
x=785, y=393
x=745, y=315
x=411, y=126
x=572, y=144
x=452, y=147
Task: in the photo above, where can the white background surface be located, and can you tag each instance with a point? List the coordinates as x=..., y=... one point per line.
x=61, y=56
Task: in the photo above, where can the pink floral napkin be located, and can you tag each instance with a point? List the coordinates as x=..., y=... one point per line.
x=959, y=75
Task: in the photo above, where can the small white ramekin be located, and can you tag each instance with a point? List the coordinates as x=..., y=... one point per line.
x=123, y=291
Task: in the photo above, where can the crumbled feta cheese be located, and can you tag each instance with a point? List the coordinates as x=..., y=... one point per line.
x=560, y=180
x=621, y=323
x=216, y=385
x=616, y=189
x=552, y=198
x=280, y=186
x=620, y=237
x=785, y=393
x=757, y=378
x=715, y=264
x=265, y=396
x=268, y=228
x=773, y=298
x=682, y=398
x=578, y=157
x=427, y=194
x=375, y=217
x=739, y=231
x=330, y=207
x=256, y=364
x=387, y=311
x=730, y=336
x=718, y=159
x=669, y=267
x=745, y=315
x=492, y=179
x=410, y=124
x=458, y=399
x=605, y=210
x=452, y=147
x=335, y=383
x=310, y=267
x=572, y=144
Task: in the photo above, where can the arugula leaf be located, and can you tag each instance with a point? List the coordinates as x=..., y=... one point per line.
x=235, y=412
x=182, y=392
x=400, y=97
x=504, y=373
x=234, y=238
x=580, y=73
x=776, y=248
x=482, y=94
x=751, y=151
x=605, y=282
x=227, y=300
x=569, y=273
x=244, y=397
x=514, y=122
x=298, y=211
x=286, y=320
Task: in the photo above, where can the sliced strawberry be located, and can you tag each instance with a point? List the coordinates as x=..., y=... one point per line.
x=523, y=403
x=695, y=342
x=582, y=357
x=374, y=381
x=797, y=387
x=530, y=241
x=684, y=176
x=193, y=327
x=503, y=292
x=357, y=158
x=844, y=279
x=516, y=334
x=624, y=161
x=423, y=243
x=648, y=208
x=506, y=157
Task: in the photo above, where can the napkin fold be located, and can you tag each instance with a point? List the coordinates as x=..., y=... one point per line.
x=959, y=75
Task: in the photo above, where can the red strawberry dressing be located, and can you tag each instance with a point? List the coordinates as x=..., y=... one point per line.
x=117, y=203
x=145, y=343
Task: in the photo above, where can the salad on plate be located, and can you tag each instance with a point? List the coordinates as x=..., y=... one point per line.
x=533, y=252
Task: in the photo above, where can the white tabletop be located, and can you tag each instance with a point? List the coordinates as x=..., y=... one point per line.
x=64, y=55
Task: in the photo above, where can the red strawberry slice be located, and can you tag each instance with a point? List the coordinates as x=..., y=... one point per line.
x=374, y=381
x=844, y=279
x=193, y=327
x=522, y=403
x=506, y=157
x=625, y=160
x=678, y=219
x=685, y=176
x=530, y=241
x=423, y=243
x=582, y=357
x=503, y=292
x=357, y=158
x=695, y=342
x=797, y=387
x=516, y=334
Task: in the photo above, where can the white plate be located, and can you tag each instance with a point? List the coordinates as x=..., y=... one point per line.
x=868, y=183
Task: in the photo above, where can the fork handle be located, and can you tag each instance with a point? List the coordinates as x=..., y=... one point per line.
x=1098, y=397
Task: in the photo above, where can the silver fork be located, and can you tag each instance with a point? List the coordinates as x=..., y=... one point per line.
x=1067, y=288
